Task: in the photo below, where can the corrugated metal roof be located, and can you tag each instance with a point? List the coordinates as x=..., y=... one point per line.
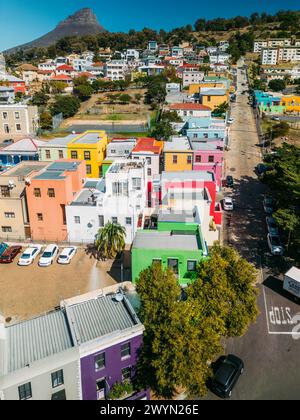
x=98, y=317
x=37, y=339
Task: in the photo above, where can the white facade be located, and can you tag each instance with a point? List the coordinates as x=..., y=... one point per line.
x=269, y=56
x=219, y=57
x=81, y=64
x=120, y=198
x=259, y=44
x=189, y=77
x=132, y=55
x=116, y=69
x=120, y=148
x=48, y=66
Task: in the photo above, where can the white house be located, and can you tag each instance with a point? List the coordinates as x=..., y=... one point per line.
x=116, y=69
x=190, y=77
x=187, y=110
x=119, y=197
x=120, y=148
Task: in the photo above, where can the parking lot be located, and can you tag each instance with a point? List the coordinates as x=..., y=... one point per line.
x=29, y=291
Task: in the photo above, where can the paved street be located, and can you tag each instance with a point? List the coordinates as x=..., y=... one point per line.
x=270, y=352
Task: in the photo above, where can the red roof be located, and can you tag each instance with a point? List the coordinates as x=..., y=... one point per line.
x=190, y=107
x=61, y=77
x=86, y=74
x=65, y=67
x=147, y=144
x=98, y=64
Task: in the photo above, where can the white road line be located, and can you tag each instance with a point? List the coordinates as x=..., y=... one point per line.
x=284, y=333
x=265, y=301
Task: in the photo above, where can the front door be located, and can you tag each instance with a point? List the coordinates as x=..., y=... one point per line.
x=101, y=389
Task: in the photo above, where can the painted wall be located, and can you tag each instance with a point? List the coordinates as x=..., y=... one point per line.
x=56, y=153
x=113, y=367
x=213, y=101
x=182, y=161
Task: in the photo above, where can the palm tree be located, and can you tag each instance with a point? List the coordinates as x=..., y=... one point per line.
x=110, y=240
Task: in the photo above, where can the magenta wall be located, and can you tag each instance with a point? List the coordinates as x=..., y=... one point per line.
x=113, y=366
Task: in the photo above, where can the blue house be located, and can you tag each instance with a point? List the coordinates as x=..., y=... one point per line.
x=207, y=128
x=22, y=150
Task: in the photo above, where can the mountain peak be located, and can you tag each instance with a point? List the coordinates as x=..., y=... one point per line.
x=84, y=16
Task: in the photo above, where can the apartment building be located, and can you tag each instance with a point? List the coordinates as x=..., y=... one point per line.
x=120, y=197
x=116, y=69
x=48, y=193
x=18, y=120
x=178, y=155
x=274, y=55
x=14, y=215
x=259, y=44
x=55, y=149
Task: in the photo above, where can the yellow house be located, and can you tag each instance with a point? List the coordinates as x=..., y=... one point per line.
x=178, y=155
x=91, y=147
x=213, y=97
x=195, y=87
x=291, y=103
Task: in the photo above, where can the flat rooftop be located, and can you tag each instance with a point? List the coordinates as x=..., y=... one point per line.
x=100, y=317
x=181, y=144
x=56, y=170
x=206, y=146
x=59, y=141
x=37, y=339
x=176, y=240
x=212, y=91
x=176, y=217
x=89, y=138
x=23, y=169
x=187, y=176
x=125, y=166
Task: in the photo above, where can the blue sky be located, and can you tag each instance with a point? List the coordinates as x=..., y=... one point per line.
x=24, y=20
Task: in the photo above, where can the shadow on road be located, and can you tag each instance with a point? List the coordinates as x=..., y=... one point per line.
x=276, y=285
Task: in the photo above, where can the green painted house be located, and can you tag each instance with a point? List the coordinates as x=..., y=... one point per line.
x=175, y=244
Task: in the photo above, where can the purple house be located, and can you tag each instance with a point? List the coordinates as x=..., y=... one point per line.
x=209, y=156
x=109, y=335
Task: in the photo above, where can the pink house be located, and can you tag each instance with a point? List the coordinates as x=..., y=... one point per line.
x=209, y=156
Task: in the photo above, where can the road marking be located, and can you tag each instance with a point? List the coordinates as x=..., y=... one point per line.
x=265, y=301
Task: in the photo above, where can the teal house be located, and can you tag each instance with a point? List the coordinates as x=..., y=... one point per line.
x=177, y=244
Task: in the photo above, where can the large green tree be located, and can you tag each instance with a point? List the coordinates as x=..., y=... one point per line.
x=67, y=105
x=110, y=240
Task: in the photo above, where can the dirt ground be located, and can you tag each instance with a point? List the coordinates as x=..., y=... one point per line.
x=29, y=291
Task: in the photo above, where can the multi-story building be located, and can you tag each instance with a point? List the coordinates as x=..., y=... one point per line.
x=213, y=97
x=206, y=129
x=48, y=193
x=7, y=95
x=116, y=69
x=120, y=197
x=14, y=216
x=90, y=147
x=132, y=55
x=77, y=352
x=18, y=120
x=118, y=148
x=152, y=46
x=219, y=57
x=55, y=149
x=178, y=155
x=190, y=77
x=28, y=73
x=15, y=82
x=274, y=55
x=259, y=44
x=209, y=156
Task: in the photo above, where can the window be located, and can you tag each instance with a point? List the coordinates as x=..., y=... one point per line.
x=156, y=261
x=25, y=391
x=88, y=169
x=189, y=160
x=198, y=159
x=128, y=220
x=126, y=374
x=125, y=350
x=211, y=158
x=100, y=362
x=5, y=191
x=149, y=172
x=101, y=221
x=87, y=155
x=216, y=135
x=40, y=217
x=9, y=215
x=77, y=220
x=60, y=154
x=205, y=135
x=57, y=378
x=114, y=220
x=37, y=192
x=6, y=128
x=191, y=265
x=136, y=184
x=149, y=160
x=120, y=188
x=195, y=135
x=113, y=151
x=48, y=154
x=175, y=159
x=4, y=115
x=63, y=211
x=173, y=264
x=51, y=192
x=18, y=127
x=208, y=99
x=74, y=154
x=6, y=229
x=17, y=115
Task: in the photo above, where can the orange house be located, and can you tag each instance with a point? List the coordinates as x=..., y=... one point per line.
x=48, y=192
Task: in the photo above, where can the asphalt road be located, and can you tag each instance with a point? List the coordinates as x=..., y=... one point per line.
x=110, y=128
x=270, y=352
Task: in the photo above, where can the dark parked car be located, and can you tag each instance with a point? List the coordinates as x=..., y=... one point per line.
x=261, y=168
x=9, y=254
x=227, y=371
x=229, y=181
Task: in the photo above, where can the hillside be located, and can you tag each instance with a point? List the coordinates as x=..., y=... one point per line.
x=83, y=22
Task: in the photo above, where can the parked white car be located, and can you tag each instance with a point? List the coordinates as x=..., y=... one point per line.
x=29, y=255
x=48, y=256
x=230, y=120
x=66, y=255
x=228, y=204
x=275, y=245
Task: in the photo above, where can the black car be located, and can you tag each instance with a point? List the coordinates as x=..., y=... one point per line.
x=227, y=371
x=229, y=181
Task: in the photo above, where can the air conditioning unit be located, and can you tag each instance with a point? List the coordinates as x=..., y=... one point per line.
x=11, y=184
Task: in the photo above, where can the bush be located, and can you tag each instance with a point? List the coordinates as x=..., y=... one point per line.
x=120, y=390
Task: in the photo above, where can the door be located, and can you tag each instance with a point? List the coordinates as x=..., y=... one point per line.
x=173, y=265
x=101, y=389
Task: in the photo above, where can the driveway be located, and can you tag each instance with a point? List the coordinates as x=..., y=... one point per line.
x=269, y=349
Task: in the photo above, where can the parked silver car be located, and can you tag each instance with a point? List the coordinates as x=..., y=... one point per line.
x=271, y=226
x=275, y=245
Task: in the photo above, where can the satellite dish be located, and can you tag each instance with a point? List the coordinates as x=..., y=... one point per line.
x=119, y=297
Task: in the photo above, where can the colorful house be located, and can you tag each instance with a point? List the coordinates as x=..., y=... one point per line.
x=205, y=128
x=209, y=156
x=55, y=149
x=290, y=103
x=22, y=150
x=90, y=147
x=213, y=97
x=195, y=87
x=267, y=102
x=48, y=193
x=189, y=110
x=178, y=155
x=179, y=249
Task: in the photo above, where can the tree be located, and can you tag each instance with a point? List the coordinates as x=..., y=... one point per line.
x=277, y=85
x=46, y=120
x=67, y=105
x=111, y=240
x=162, y=131
x=125, y=99
x=57, y=86
x=221, y=109
x=225, y=291
x=171, y=116
x=83, y=92
x=288, y=220
x=39, y=99
x=173, y=354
